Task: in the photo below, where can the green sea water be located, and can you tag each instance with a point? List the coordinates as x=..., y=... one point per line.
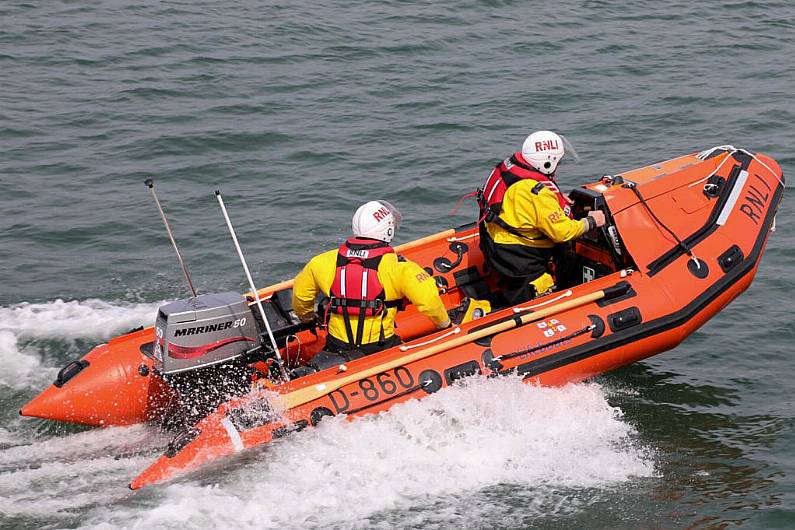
x=299, y=112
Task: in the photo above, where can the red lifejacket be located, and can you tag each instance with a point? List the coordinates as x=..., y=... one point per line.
x=506, y=174
x=356, y=290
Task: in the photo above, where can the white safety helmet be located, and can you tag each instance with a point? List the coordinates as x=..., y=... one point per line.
x=376, y=220
x=544, y=150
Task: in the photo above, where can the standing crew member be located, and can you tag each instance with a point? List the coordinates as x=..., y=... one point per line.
x=366, y=282
x=523, y=214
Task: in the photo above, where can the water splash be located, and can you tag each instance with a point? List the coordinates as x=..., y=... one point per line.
x=21, y=368
x=480, y=436
x=26, y=327
x=55, y=476
x=87, y=319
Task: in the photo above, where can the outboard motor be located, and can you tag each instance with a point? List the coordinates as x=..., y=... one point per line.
x=204, y=331
x=204, y=346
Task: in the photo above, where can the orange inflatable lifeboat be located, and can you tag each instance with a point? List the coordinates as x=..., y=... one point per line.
x=684, y=238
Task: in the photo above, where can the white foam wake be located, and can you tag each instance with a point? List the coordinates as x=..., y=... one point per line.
x=21, y=368
x=459, y=442
x=89, y=320
x=52, y=477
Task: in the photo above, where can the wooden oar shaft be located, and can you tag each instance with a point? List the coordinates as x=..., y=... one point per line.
x=310, y=393
x=400, y=248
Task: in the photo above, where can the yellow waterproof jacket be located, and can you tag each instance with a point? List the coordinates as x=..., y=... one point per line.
x=539, y=217
x=400, y=279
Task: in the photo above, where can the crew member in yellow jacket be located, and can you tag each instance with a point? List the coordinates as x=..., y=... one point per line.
x=523, y=214
x=366, y=282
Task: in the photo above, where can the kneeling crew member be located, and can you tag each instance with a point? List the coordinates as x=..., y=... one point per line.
x=366, y=283
x=523, y=214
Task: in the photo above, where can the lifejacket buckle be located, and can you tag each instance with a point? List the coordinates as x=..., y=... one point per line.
x=378, y=306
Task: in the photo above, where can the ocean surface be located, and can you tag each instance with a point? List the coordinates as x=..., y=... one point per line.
x=299, y=112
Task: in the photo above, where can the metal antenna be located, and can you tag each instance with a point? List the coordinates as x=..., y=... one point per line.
x=279, y=360
x=151, y=184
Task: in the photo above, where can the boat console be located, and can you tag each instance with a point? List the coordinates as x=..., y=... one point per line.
x=595, y=254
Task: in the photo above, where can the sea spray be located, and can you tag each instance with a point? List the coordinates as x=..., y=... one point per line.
x=21, y=368
x=28, y=331
x=483, y=434
x=53, y=477
x=87, y=319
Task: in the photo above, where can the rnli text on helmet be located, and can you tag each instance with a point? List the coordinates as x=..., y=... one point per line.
x=547, y=145
x=381, y=213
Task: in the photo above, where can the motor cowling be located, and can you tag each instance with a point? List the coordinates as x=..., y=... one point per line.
x=206, y=330
x=205, y=348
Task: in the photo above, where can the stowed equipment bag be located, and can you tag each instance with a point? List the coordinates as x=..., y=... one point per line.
x=356, y=290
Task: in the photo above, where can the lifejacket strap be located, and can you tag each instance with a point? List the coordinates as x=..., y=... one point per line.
x=512, y=229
